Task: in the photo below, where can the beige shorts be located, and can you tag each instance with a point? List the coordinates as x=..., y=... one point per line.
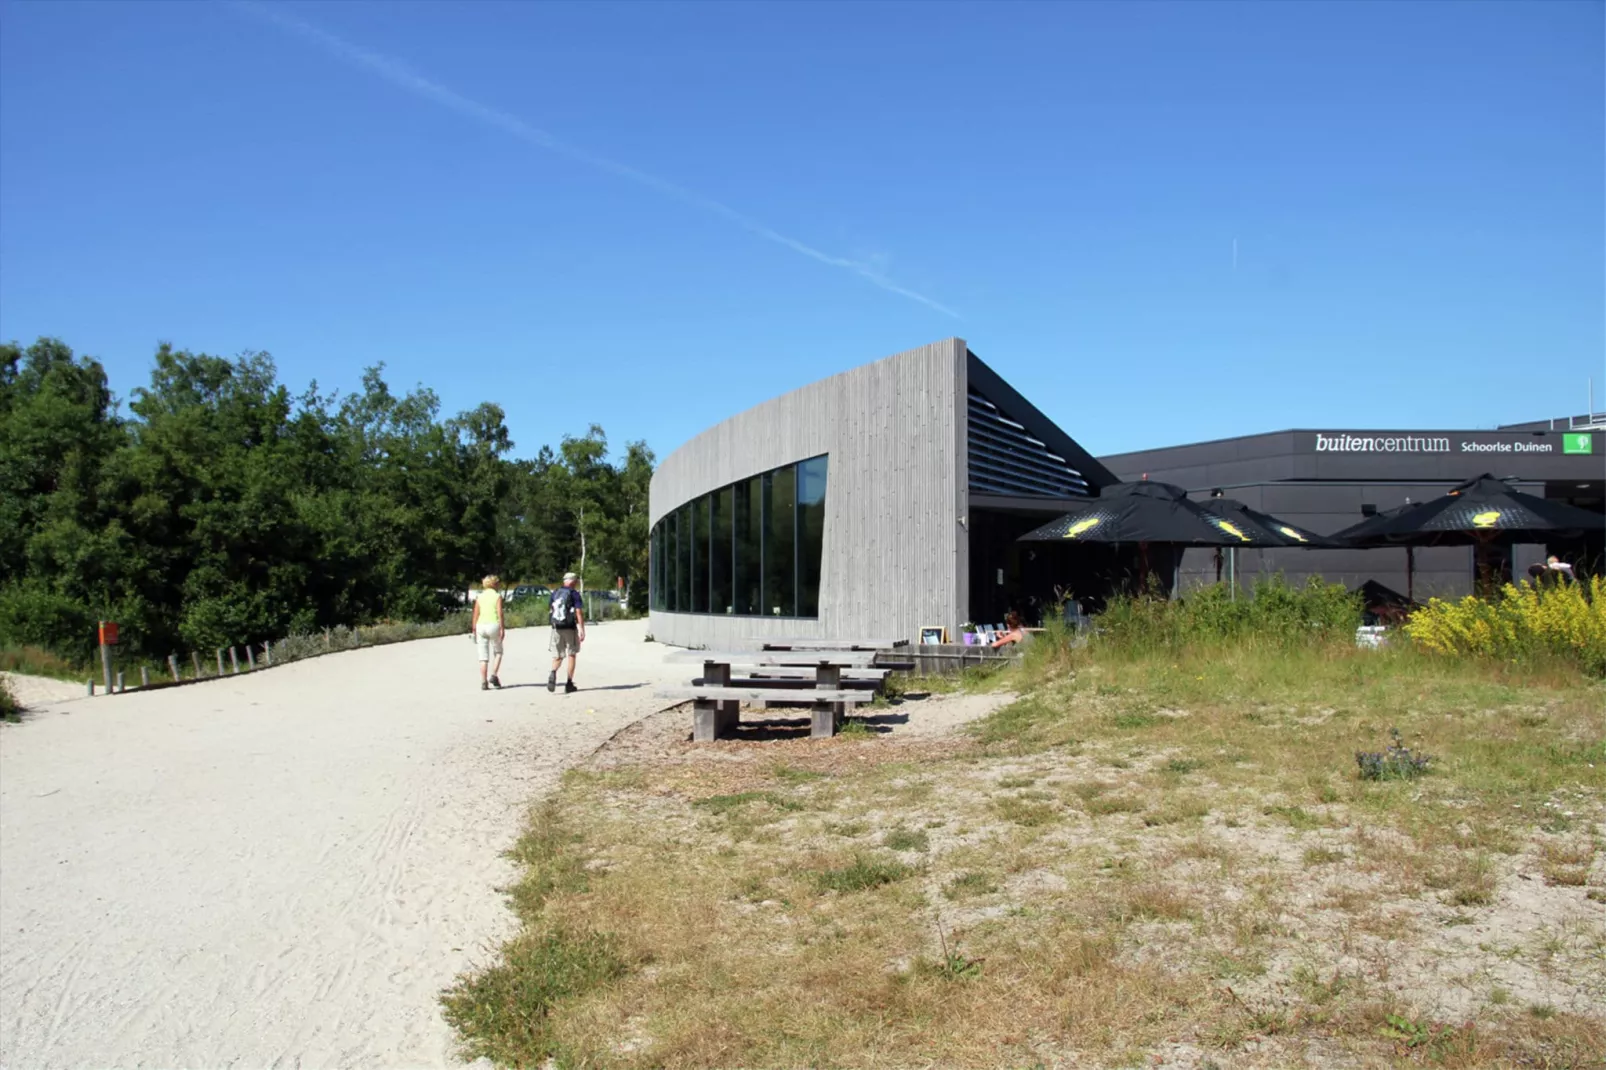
x=489, y=639
x=565, y=642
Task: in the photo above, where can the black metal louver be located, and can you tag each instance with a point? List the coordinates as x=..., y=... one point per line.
x=1006, y=459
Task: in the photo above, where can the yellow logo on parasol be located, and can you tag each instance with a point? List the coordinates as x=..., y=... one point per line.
x=1085, y=524
x=1292, y=534
x=1230, y=529
x=1486, y=520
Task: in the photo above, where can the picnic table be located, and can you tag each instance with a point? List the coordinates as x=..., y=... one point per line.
x=830, y=682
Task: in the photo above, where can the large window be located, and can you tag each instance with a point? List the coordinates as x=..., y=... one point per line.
x=753, y=548
x=683, y=539
x=810, y=534
x=780, y=543
x=749, y=545
x=719, y=553
x=699, y=556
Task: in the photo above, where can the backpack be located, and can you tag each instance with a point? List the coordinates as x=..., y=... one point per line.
x=562, y=609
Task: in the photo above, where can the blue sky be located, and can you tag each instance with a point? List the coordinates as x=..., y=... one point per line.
x=652, y=216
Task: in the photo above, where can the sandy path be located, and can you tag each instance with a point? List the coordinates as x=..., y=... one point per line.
x=280, y=870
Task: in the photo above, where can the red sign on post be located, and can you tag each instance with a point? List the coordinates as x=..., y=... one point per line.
x=108, y=633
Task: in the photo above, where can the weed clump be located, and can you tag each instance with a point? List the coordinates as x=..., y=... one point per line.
x=903, y=839
x=860, y=875
x=1397, y=762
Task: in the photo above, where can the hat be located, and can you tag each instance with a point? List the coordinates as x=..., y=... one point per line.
x=569, y=577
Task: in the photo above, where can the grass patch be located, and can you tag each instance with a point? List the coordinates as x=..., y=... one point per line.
x=1026, y=812
x=969, y=884
x=37, y=661
x=504, y=1013
x=1252, y=906
x=903, y=839
x=861, y=874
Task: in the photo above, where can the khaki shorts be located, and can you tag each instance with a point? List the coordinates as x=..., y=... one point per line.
x=565, y=642
x=489, y=639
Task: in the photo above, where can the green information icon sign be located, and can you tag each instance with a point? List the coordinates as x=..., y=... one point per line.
x=1578, y=442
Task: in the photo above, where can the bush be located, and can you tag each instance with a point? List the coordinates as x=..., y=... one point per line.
x=10, y=708
x=33, y=615
x=1520, y=623
x=1273, y=612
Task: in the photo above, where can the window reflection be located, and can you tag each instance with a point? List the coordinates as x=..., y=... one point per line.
x=753, y=548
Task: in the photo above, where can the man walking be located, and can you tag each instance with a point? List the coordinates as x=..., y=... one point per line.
x=567, y=613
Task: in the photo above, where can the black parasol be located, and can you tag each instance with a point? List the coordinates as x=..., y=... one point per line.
x=1480, y=512
x=1146, y=512
x=1264, y=529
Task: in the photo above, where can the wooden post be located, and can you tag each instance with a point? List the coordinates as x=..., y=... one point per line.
x=172, y=666
x=220, y=661
x=326, y=638
x=106, y=666
x=91, y=683
x=120, y=687
x=195, y=659
x=250, y=659
x=827, y=716
x=267, y=652
x=234, y=660
x=713, y=718
x=144, y=677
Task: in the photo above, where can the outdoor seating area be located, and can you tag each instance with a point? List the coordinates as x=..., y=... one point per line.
x=829, y=676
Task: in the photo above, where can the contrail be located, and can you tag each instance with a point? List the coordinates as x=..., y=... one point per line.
x=399, y=74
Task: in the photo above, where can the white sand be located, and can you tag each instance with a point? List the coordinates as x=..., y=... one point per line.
x=285, y=869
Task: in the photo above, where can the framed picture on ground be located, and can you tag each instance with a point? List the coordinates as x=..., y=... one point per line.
x=932, y=636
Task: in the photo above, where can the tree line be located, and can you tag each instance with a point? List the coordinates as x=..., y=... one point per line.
x=222, y=509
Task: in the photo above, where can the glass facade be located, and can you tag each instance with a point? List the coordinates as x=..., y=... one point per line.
x=810, y=534
x=752, y=548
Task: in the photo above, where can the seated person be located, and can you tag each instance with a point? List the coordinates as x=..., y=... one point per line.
x=1013, y=631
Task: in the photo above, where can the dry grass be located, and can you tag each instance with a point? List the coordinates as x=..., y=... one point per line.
x=1140, y=861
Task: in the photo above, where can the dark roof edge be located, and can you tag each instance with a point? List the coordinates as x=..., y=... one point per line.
x=1007, y=397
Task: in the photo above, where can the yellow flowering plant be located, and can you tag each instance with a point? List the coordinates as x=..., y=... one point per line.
x=1520, y=621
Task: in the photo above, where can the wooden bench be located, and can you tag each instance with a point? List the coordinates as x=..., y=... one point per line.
x=815, y=680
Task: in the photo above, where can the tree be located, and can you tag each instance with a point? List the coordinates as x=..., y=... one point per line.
x=223, y=510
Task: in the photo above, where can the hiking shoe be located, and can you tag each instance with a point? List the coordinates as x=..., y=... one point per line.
x=552, y=681
x=496, y=683
x=569, y=688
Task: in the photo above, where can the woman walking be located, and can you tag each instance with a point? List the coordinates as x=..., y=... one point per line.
x=487, y=628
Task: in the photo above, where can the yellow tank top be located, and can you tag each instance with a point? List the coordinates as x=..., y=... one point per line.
x=490, y=602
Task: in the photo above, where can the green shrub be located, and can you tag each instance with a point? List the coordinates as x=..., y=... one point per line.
x=33, y=615
x=1273, y=612
x=10, y=708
